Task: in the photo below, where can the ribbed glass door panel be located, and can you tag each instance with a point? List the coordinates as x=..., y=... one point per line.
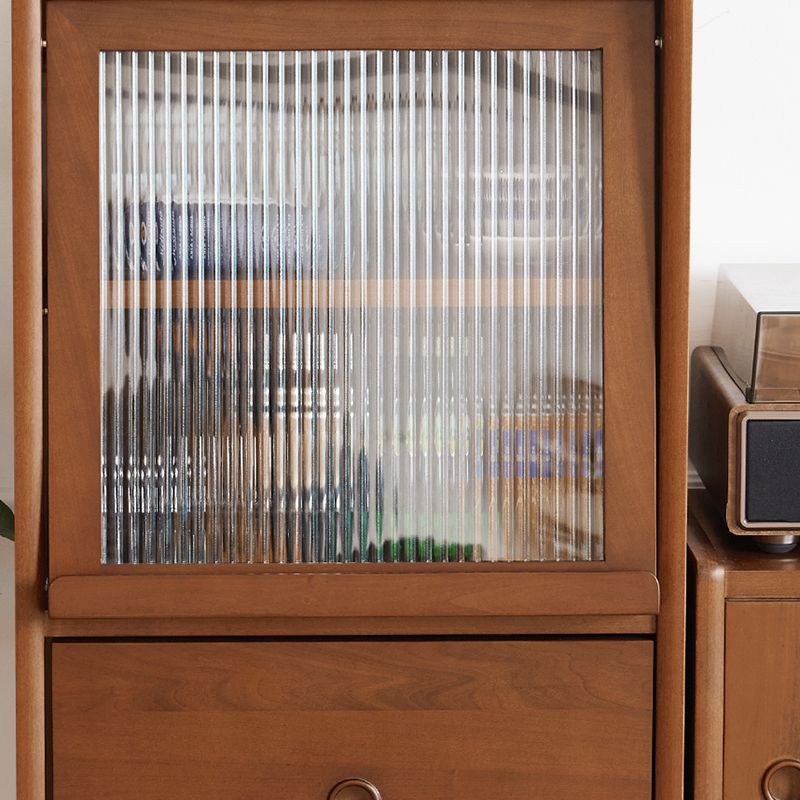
x=351, y=306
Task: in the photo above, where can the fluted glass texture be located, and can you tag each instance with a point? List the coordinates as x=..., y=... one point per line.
x=351, y=306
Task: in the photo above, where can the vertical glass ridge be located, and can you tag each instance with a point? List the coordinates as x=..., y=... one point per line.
x=351, y=306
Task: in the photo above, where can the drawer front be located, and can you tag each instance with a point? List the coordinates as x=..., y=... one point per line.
x=290, y=719
x=762, y=700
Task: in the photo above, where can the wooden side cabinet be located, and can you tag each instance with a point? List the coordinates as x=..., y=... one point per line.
x=351, y=362
x=745, y=685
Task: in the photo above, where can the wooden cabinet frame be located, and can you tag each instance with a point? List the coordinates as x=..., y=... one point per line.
x=78, y=31
x=664, y=355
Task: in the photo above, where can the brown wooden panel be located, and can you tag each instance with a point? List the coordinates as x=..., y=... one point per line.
x=351, y=24
x=29, y=398
x=619, y=625
x=367, y=595
x=762, y=693
x=420, y=719
x=624, y=29
x=715, y=403
x=675, y=75
x=706, y=666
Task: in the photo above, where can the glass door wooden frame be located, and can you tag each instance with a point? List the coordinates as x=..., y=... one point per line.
x=624, y=29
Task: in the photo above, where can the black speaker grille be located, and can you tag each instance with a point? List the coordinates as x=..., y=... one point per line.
x=772, y=471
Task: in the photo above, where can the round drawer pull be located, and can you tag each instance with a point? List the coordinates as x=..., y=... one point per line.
x=354, y=789
x=782, y=780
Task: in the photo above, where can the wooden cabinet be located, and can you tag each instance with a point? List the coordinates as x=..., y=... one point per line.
x=291, y=719
x=337, y=386
x=746, y=644
x=461, y=368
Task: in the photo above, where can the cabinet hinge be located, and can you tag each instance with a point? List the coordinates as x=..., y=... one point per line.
x=659, y=42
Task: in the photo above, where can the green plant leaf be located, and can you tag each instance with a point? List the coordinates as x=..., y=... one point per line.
x=6, y=521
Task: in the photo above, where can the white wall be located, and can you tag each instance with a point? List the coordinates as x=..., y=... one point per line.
x=745, y=142
x=745, y=207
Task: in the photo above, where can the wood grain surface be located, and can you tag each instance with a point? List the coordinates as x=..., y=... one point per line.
x=420, y=719
x=614, y=625
x=119, y=23
x=29, y=398
x=762, y=694
x=716, y=401
x=706, y=666
x=366, y=595
x=675, y=102
x=745, y=647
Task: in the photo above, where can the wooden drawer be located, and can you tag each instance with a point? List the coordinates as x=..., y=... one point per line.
x=422, y=720
x=762, y=700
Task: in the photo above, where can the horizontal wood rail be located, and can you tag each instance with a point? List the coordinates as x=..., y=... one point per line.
x=356, y=595
x=337, y=293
